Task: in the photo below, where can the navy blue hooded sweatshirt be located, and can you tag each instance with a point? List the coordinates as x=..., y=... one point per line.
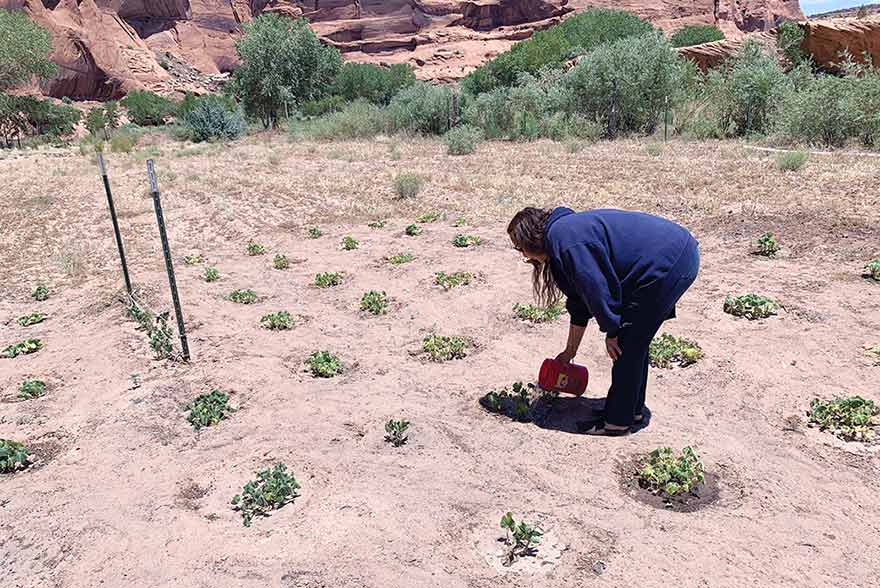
x=600, y=258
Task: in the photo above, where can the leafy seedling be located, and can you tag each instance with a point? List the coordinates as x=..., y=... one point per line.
x=13, y=456
x=374, y=302
x=161, y=337
x=277, y=321
x=31, y=319
x=211, y=274
x=521, y=538
x=751, y=306
x=668, y=350
x=324, y=364
x=407, y=185
x=442, y=348
x=280, y=262
x=193, y=259
x=428, y=217
x=378, y=224
x=401, y=258
x=466, y=241
x=314, y=233
x=872, y=270
x=243, y=296
x=328, y=279
x=459, y=222
x=452, y=280
x=851, y=419
x=40, y=293
x=349, y=244
x=255, y=248
x=665, y=473
x=22, y=348
x=395, y=432
x=272, y=489
x=208, y=409
x=767, y=245
x=30, y=389
x=413, y=230
x=522, y=402
x=537, y=314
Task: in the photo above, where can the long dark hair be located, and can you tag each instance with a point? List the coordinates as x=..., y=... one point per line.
x=526, y=231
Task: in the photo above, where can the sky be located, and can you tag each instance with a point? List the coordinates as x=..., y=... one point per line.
x=816, y=6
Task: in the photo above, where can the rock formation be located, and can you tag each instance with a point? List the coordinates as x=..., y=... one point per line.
x=826, y=39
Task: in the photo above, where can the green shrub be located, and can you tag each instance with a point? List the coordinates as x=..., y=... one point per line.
x=349, y=243
x=452, y=280
x=30, y=389
x=194, y=259
x=462, y=140
x=373, y=83
x=408, y=185
x=324, y=364
x=377, y=224
x=322, y=106
x=668, y=350
x=466, y=241
x=31, y=319
x=520, y=539
x=669, y=474
x=428, y=217
x=851, y=419
x=277, y=321
x=22, y=116
x=443, y=348
x=357, y=120
x=789, y=36
x=695, y=35
x=211, y=274
x=40, y=293
x=767, y=245
x=208, y=409
x=401, y=258
x=822, y=111
x=255, y=248
x=280, y=262
x=13, y=456
x=421, y=108
x=872, y=270
x=328, y=279
x=272, y=489
x=523, y=403
x=25, y=347
x=750, y=306
x=314, y=233
x=160, y=336
x=374, y=302
x=791, y=161
x=211, y=117
x=537, y=314
x=24, y=50
x=243, y=296
x=413, y=230
x=147, y=109
x=395, y=432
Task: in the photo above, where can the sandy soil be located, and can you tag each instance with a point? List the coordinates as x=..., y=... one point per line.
x=125, y=493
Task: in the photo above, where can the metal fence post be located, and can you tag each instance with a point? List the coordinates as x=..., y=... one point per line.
x=116, y=232
x=665, y=118
x=169, y=265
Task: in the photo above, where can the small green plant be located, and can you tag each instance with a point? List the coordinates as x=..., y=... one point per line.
x=872, y=270
x=30, y=389
x=349, y=244
x=272, y=489
x=328, y=279
x=255, y=248
x=395, y=432
x=211, y=274
x=669, y=474
x=767, y=245
x=428, y=217
x=452, y=280
x=208, y=409
x=160, y=337
x=520, y=538
x=851, y=419
x=413, y=230
x=22, y=348
x=314, y=233
x=459, y=222
x=751, y=306
x=791, y=161
x=40, y=293
x=31, y=319
x=466, y=241
x=462, y=140
x=654, y=149
x=13, y=456
x=243, y=296
x=401, y=258
x=378, y=224
x=443, y=348
x=324, y=364
x=522, y=402
x=193, y=259
x=537, y=314
x=277, y=321
x=408, y=185
x=280, y=262
x=668, y=350
x=374, y=302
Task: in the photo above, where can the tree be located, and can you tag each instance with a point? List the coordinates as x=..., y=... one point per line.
x=863, y=12
x=695, y=35
x=24, y=50
x=283, y=65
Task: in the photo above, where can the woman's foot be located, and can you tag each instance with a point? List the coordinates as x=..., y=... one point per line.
x=601, y=428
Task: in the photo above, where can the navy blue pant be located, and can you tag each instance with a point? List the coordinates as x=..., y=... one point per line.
x=641, y=318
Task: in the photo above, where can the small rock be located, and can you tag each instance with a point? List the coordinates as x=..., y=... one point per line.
x=599, y=567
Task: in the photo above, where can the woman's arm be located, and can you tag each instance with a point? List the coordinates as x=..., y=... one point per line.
x=575, y=334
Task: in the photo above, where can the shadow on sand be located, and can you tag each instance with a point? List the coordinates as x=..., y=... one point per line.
x=566, y=412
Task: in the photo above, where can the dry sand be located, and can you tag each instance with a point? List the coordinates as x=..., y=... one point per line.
x=125, y=493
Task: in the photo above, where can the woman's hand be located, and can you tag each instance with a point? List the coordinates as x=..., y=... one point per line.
x=565, y=357
x=613, y=348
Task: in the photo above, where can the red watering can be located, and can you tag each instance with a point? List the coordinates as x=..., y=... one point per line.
x=565, y=378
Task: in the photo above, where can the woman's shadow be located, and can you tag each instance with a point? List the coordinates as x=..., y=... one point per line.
x=566, y=412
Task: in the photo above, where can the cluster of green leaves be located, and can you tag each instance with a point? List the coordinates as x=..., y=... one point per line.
x=852, y=419
x=695, y=35
x=324, y=364
x=373, y=83
x=377, y=224
x=374, y=302
x=194, y=259
x=103, y=119
x=751, y=306
x=280, y=262
x=40, y=293
x=277, y=321
x=22, y=348
x=13, y=456
x=515, y=403
x=401, y=258
x=212, y=117
x=428, y=217
x=255, y=248
x=466, y=241
x=422, y=108
x=314, y=232
x=789, y=36
x=872, y=269
x=26, y=116
x=328, y=279
x=445, y=348
x=408, y=185
x=147, y=109
x=272, y=489
x=208, y=409
x=669, y=474
x=243, y=296
x=24, y=50
x=413, y=230
x=767, y=245
x=349, y=243
x=211, y=274
x=520, y=538
x=31, y=319
x=452, y=280
x=668, y=350
x=30, y=389
x=395, y=432
x=537, y=314
x=161, y=337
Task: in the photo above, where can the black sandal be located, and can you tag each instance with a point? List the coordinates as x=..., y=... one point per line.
x=597, y=429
